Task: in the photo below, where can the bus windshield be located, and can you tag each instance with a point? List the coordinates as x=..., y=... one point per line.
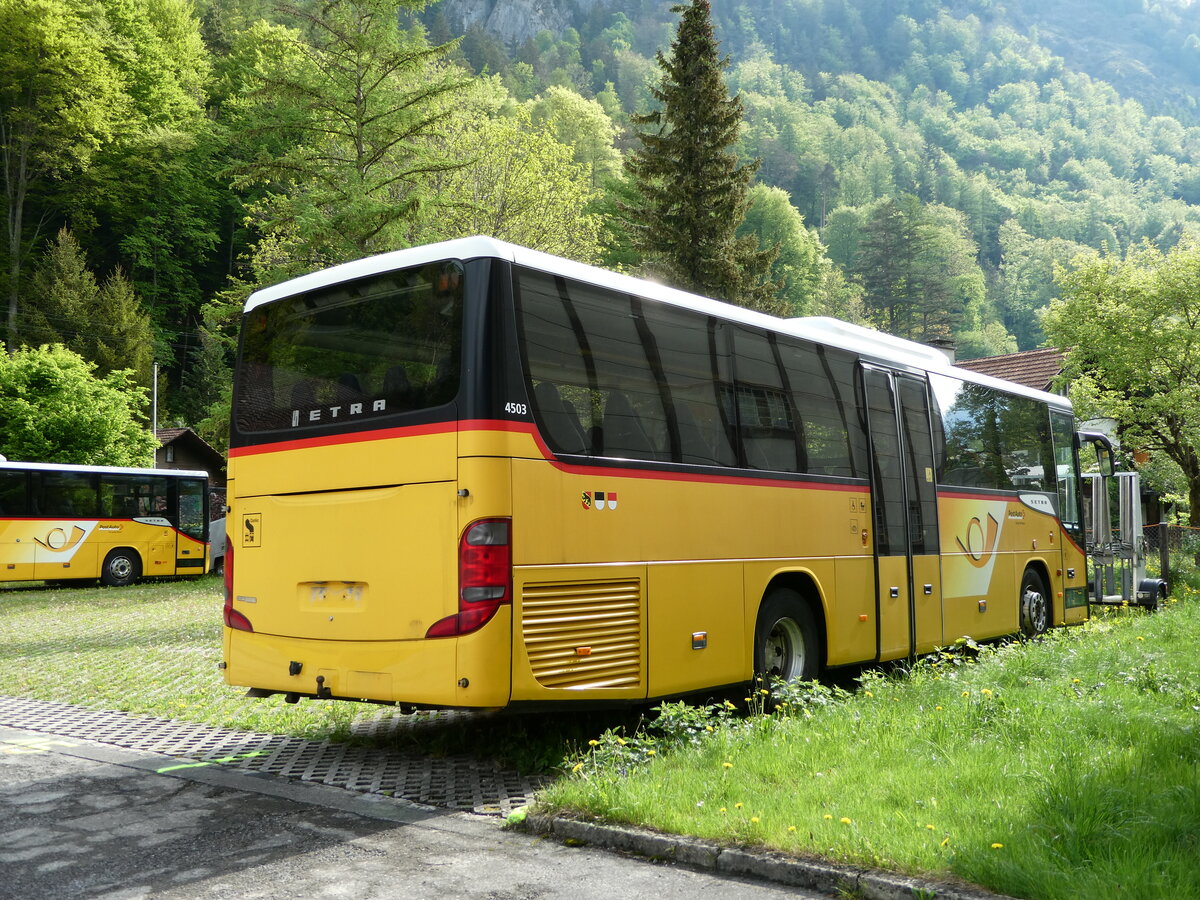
x=353, y=352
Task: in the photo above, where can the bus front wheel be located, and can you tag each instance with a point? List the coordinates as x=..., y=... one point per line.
x=121, y=567
x=786, y=644
x=1035, y=610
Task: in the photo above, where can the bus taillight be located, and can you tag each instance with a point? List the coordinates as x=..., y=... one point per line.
x=484, y=577
x=233, y=618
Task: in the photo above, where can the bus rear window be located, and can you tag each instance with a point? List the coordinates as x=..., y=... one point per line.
x=353, y=352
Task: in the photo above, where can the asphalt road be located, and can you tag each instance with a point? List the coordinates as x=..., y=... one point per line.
x=87, y=820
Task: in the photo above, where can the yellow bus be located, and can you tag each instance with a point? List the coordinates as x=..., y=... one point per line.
x=70, y=523
x=475, y=475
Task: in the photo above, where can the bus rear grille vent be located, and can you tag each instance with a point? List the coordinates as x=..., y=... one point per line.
x=583, y=634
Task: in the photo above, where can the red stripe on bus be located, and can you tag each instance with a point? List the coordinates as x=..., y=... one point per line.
x=512, y=427
x=354, y=437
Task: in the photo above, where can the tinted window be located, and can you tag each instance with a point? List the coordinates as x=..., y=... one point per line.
x=821, y=382
x=693, y=361
x=192, y=498
x=377, y=346
x=891, y=525
x=67, y=494
x=13, y=498
x=922, y=492
x=993, y=439
x=129, y=496
x=1062, y=426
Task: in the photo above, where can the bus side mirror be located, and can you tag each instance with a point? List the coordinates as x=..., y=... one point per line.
x=1104, y=451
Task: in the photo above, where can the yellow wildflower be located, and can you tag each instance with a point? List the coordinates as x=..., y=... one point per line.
x=997, y=846
x=791, y=828
x=828, y=816
x=845, y=821
x=737, y=806
x=868, y=693
x=987, y=692
x=726, y=765
x=577, y=768
x=649, y=752
x=593, y=743
x=754, y=819
x=937, y=707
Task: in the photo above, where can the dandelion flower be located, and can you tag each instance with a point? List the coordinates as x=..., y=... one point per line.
x=997, y=846
x=578, y=767
x=946, y=841
x=987, y=692
x=1074, y=681
x=726, y=765
x=754, y=819
x=791, y=828
x=966, y=693
x=828, y=816
x=868, y=694
x=649, y=752
x=764, y=692
x=723, y=809
x=708, y=728
x=931, y=828
x=845, y=821
x=1140, y=638
x=937, y=707
x=593, y=743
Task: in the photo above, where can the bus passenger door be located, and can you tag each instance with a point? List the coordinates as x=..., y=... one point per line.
x=904, y=500
x=190, y=555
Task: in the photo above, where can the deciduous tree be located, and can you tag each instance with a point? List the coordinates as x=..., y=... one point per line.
x=1131, y=331
x=56, y=409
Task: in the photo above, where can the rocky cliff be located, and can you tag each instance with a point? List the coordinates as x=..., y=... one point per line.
x=515, y=21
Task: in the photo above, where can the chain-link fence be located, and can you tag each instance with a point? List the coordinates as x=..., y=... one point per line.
x=1172, y=551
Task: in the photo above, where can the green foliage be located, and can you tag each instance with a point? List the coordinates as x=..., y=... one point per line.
x=60, y=101
x=918, y=269
x=102, y=323
x=692, y=193
x=516, y=181
x=1131, y=330
x=344, y=111
x=55, y=409
x=799, y=266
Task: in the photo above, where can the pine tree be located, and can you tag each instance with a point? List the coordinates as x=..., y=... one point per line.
x=691, y=192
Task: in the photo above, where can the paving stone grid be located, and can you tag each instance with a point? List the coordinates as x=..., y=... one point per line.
x=454, y=782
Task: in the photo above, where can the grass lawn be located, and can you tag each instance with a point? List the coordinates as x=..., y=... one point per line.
x=150, y=648
x=1067, y=767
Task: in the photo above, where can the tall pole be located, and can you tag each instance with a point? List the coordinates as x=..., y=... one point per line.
x=154, y=402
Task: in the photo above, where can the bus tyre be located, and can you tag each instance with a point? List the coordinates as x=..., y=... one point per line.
x=786, y=644
x=121, y=567
x=1035, y=608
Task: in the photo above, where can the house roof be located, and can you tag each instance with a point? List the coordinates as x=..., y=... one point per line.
x=186, y=435
x=1032, y=368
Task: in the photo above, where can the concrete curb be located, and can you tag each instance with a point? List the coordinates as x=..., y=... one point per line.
x=828, y=878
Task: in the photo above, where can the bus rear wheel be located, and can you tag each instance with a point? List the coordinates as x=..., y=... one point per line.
x=121, y=567
x=1035, y=608
x=786, y=644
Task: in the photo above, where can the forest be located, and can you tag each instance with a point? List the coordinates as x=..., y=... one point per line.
x=922, y=167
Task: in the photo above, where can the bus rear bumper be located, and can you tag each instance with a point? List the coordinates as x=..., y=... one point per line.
x=471, y=671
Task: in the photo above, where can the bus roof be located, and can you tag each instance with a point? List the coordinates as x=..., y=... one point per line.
x=868, y=343
x=9, y=465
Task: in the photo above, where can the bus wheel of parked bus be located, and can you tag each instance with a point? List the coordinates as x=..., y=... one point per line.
x=121, y=567
x=786, y=644
x=1034, y=610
